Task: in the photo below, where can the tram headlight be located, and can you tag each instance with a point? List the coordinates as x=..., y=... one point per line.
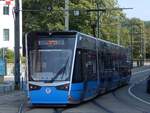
x=63, y=87
x=34, y=87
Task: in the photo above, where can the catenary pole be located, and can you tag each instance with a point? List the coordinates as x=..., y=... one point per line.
x=17, y=46
x=66, y=15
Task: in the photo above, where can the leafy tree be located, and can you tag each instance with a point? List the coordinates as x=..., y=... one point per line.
x=42, y=20
x=86, y=22
x=137, y=27
x=113, y=23
x=55, y=20
x=147, y=38
x=10, y=56
x=0, y=53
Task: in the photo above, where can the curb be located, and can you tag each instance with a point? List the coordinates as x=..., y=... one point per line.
x=6, y=88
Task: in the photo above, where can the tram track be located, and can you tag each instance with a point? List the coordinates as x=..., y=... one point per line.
x=21, y=108
x=59, y=110
x=125, y=99
x=102, y=107
x=128, y=104
x=119, y=95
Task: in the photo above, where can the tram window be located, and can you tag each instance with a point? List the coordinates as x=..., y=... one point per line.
x=123, y=65
x=101, y=62
x=106, y=61
x=90, y=65
x=77, y=76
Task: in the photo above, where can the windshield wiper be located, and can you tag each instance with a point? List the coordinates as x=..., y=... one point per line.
x=65, y=67
x=62, y=70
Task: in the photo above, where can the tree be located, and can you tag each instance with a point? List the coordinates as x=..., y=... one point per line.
x=137, y=27
x=147, y=38
x=42, y=20
x=86, y=22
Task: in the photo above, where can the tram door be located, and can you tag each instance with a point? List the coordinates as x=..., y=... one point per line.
x=84, y=72
x=89, y=73
x=102, y=71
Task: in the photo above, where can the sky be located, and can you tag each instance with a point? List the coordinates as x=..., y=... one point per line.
x=141, y=8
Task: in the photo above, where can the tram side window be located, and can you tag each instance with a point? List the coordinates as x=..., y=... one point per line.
x=101, y=62
x=85, y=66
x=108, y=64
x=77, y=76
x=124, y=66
x=90, y=65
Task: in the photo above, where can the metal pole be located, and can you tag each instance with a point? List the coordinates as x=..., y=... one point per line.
x=118, y=33
x=132, y=45
x=142, y=46
x=141, y=41
x=98, y=22
x=20, y=17
x=66, y=15
x=17, y=46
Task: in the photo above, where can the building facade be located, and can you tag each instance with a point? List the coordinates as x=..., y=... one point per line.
x=6, y=25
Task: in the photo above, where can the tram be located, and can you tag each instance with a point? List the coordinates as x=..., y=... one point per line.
x=71, y=67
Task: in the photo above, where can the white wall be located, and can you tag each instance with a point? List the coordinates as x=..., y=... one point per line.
x=7, y=22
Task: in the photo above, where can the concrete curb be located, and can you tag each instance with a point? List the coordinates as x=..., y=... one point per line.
x=6, y=88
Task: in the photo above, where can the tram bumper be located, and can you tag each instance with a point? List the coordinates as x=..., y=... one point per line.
x=48, y=95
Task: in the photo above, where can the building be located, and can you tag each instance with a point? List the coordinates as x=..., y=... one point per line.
x=7, y=25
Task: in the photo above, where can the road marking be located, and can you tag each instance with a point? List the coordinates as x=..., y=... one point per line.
x=132, y=94
x=21, y=108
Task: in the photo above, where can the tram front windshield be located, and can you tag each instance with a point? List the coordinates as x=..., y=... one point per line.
x=50, y=65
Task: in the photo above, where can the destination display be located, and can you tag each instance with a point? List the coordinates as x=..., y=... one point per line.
x=51, y=42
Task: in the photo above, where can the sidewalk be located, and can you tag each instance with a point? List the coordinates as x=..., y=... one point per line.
x=9, y=103
x=6, y=87
x=136, y=69
x=10, y=100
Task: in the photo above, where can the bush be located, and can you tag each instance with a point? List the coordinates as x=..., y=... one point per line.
x=10, y=56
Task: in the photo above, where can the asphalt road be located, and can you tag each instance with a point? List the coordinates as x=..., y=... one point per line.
x=118, y=101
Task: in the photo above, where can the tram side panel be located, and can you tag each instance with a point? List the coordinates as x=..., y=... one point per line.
x=114, y=68
x=98, y=69
x=85, y=80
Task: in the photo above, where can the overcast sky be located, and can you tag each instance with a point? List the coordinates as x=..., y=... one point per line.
x=141, y=8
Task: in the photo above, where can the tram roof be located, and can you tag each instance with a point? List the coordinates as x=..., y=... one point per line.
x=108, y=42
x=75, y=33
